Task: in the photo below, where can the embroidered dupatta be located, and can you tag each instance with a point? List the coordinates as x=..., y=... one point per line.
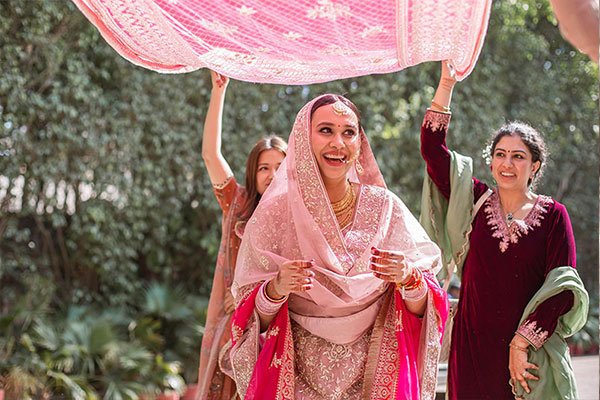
x=448, y=221
x=299, y=42
x=295, y=221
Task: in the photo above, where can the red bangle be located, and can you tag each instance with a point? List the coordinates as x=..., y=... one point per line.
x=414, y=282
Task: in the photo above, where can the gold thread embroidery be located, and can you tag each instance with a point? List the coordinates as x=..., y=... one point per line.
x=236, y=332
x=275, y=362
x=273, y=332
x=399, y=326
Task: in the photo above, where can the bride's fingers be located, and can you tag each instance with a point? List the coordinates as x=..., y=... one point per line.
x=387, y=254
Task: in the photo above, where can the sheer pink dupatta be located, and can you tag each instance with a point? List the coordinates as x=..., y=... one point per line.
x=297, y=42
x=295, y=221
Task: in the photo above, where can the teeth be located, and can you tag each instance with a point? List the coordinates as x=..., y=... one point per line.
x=337, y=158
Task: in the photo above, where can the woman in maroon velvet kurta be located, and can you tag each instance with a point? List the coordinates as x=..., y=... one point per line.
x=510, y=254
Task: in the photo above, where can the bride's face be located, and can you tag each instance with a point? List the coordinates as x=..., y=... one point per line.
x=335, y=140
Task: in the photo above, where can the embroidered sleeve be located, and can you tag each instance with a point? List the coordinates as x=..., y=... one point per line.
x=541, y=324
x=436, y=121
x=535, y=335
x=434, y=149
x=221, y=185
x=225, y=193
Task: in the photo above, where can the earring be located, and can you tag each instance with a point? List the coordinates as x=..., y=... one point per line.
x=358, y=167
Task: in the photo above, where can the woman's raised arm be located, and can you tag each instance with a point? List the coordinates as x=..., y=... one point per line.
x=216, y=165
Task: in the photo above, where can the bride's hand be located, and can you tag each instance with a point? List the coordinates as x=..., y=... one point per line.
x=390, y=266
x=293, y=276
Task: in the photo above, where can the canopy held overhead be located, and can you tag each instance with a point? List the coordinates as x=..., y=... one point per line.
x=292, y=42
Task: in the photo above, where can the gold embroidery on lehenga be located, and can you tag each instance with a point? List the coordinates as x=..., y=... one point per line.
x=244, y=358
x=236, y=332
x=329, y=370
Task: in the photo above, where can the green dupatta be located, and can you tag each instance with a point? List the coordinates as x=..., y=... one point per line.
x=557, y=380
x=448, y=222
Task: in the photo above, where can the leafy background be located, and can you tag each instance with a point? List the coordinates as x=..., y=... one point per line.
x=109, y=229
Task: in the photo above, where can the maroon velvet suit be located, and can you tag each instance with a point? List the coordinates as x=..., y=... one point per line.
x=503, y=269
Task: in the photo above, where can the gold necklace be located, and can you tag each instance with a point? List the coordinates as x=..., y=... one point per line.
x=344, y=201
x=344, y=208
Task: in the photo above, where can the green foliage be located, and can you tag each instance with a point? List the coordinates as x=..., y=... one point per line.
x=102, y=189
x=84, y=353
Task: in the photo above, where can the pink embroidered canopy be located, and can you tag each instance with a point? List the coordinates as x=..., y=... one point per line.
x=292, y=42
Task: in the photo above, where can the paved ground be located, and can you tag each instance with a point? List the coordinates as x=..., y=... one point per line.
x=586, y=373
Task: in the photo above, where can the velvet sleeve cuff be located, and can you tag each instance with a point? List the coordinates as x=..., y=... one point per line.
x=536, y=336
x=436, y=120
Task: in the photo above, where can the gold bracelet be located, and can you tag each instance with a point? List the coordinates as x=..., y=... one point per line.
x=272, y=300
x=514, y=346
x=440, y=107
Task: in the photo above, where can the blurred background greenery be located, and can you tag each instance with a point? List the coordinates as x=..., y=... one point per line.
x=109, y=228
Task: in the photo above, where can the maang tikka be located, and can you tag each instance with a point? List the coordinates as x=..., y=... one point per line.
x=340, y=108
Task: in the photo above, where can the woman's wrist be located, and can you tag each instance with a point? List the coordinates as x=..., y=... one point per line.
x=519, y=342
x=435, y=106
x=413, y=280
x=447, y=84
x=266, y=305
x=272, y=293
x=414, y=295
x=217, y=91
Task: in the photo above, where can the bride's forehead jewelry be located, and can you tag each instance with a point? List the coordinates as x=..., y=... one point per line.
x=340, y=108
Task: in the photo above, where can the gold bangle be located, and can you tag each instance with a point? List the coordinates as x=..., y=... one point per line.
x=440, y=107
x=272, y=300
x=514, y=346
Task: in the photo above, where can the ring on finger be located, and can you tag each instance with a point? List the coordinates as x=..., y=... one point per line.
x=524, y=374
